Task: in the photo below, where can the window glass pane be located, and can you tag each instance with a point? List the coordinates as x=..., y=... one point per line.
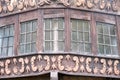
x=23, y=27
x=28, y=27
x=47, y=24
x=33, y=47
x=80, y=26
x=81, y=47
x=34, y=37
x=10, y=41
x=80, y=36
x=6, y=32
x=28, y=37
x=0, y=42
x=101, y=49
x=114, y=50
x=107, y=39
x=86, y=36
x=107, y=50
x=60, y=24
x=60, y=35
x=1, y=32
x=4, y=51
x=22, y=48
x=28, y=48
x=86, y=26
x=61, y=46
x=10, y=51
x=34, y=25
x=47, y=45
x=74, y=36
x=22, y=38
x=99, y=28
x=100, y=38
x=47, y=35
x=113, y=40
x=87, y=48
x=74, y=46
x=106, y=29
x=74, y=25
x=11, y=30
x=112, y=30
x=5, y=42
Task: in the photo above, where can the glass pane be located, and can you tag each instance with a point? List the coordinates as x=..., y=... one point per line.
x=106, y=29
x=28, y=37
x=60, y=46
x=4, y=51
x=6, y=32
x=101, y=49
x=22, y=48
x=22, y=39
x=34, y=37
x=33, y=47
x=23, y=27
x=80, y=36
x=74, y=25
x=34, y=25
x=47, y=45
x=60, y=35
x=107, y=39
x=74, y=36
x=99, y=28
x=86, y=36
x=47, y=24
x=0, y=42
x=81, y=47
x=74, y=46
x=1, y=32
x=100, y=39
x=10, y=41
x=80, y=26
x=87, y=48
x=10, y=51
x=29, y=27
x=11, y=31
x=114, y=50
x=112, y=30
x=113, y=40
x=0, y=52
x=107, y=50
x=47, y=35
x=60, y=24
x=54, y=24
x=52, y=35
x=28, y=48
x=86, y=26
x=5, y=42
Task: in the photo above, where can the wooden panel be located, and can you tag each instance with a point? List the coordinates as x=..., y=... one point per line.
x=105, y=18
x=80, y=15
x=28, y=16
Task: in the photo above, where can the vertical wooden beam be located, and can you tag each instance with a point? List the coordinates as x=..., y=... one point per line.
x=39, y=42
x=53, y=75
x=93, y=34
x=16, y=35
x=118, y=33
x=67, y=31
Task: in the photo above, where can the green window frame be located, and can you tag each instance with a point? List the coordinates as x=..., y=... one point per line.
x=106, y=39
x=80, y=36
x=28, y=34
x=7, y=40
x=54, y=34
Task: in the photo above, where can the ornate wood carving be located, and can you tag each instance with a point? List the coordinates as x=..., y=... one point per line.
x=77, y=64
x=9, y=6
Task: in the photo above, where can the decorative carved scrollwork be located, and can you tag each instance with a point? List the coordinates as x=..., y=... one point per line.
x=48, y=62
x=88, y=61
x=80, y=3
x=103, y=70
x=22, y=67
x=116, y=71
x=34, y=68
x=53, y=61
x=43, y=2
x=95, y=70
x=2, y=69
x=60, y=58
x=76, y=59
x=90, y=3
x=110, y=69
x=32, y=3
x=68, y=67
x=102, y=4
x=82, y=68
x=64, y=2
x=40, y=67
x=15, y=68
x=7, y=70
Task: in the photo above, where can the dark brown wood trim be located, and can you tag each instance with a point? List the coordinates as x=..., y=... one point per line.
x=39, y=42
x=118, y=33
x=16, y=33
x=67, y=31
x=93, y=34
